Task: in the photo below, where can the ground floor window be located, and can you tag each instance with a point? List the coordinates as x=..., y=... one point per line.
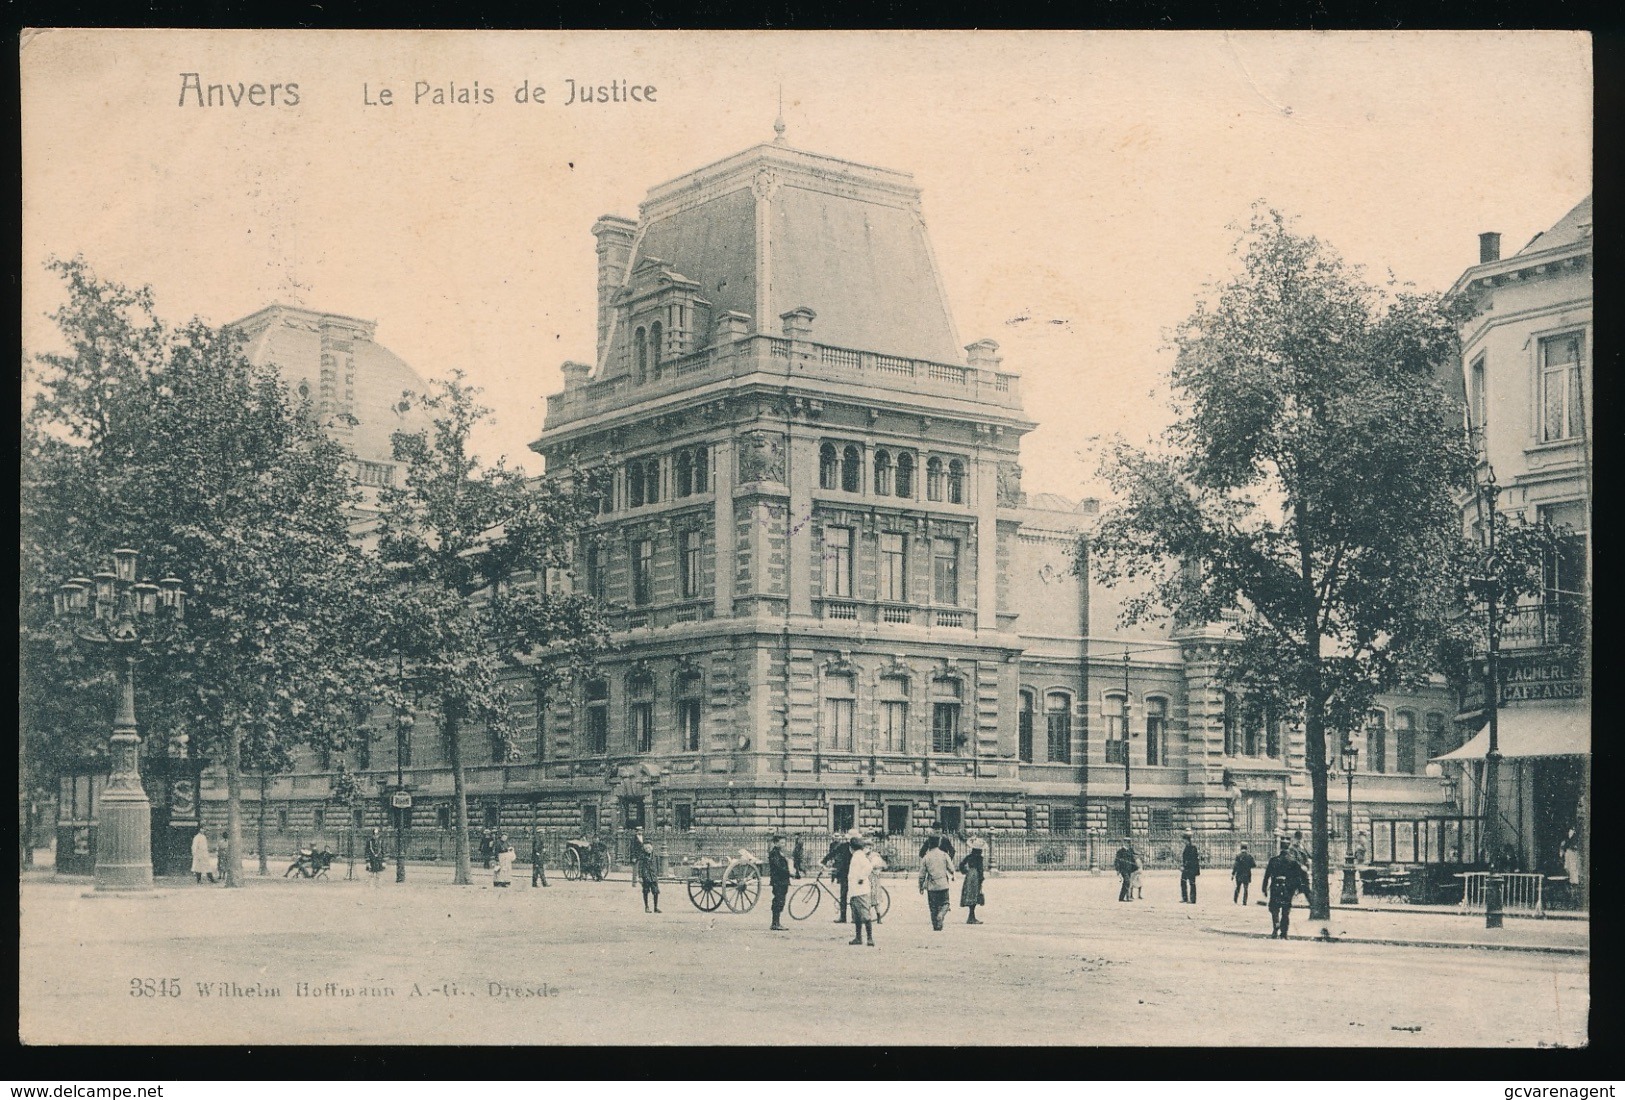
x=589, y=817
x=843, y=817
x=442, y=816
x=632, y=812
x=1116, y=821
x=1162, y=818
x=1062, y=819
x=682, y=816
x=898, y=815
x=952, y=817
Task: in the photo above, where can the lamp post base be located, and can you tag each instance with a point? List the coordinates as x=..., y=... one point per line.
x=124, y=842
x=1493, y=900
x=1351, y=888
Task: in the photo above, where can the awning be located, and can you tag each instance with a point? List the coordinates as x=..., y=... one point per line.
x=1526, y=731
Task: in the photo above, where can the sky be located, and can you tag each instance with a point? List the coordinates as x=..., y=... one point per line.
x=1081, y=189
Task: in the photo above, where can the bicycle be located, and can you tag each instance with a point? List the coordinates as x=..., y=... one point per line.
x=804, y=899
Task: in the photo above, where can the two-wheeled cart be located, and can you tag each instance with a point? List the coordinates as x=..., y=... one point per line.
x=735, y=883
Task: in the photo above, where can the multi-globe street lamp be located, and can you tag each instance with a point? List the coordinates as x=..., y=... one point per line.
x=117, y=611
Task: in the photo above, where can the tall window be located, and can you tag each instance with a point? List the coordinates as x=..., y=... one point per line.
x=1477, y=397
x=656, y=346
x=1058, y=726
x=640, y=712
x=643, y=571
x=1376, y=742
x=1024, y=729
x=945, y=572
x=594, y=555
x=688, y=711
x=945, y=716
x=1156, y=730
x=634, y=484
x=1560, y=406
x=905, y=475
x=702, y=470
x=893, y=714
x=1261, y=732
x=1405, y=742
x=837, y=561
x=597, y=717
x=640, y=351
x=956, y=482
x=851, y=470
x=829, y=468
x=689, y=564
x=540, y=693
x=882, y=473
x=1116, y=707
x=933, y=479
x=683, y=468
x=1232, y=725
x=893, y=566
x=1437, y=744
x=651, y=480
x=840, y=705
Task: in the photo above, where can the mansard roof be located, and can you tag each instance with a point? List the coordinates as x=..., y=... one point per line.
x=1571, y=228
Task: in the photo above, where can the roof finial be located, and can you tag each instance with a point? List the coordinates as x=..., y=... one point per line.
x=778, y=123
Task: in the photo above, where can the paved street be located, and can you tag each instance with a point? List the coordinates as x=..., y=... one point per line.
x=1059, y=961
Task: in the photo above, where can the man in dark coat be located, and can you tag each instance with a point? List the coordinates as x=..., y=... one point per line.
x=839, y=859
x=1284, y=877
x=939, y=837
x=538, y=869
x=778, y=877
x=1242, y=872
x=1190, y=865
x=1126, y=863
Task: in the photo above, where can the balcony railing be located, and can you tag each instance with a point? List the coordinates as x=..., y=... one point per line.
x=1544, y=625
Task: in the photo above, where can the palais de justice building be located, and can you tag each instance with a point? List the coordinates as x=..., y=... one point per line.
x=834, y=604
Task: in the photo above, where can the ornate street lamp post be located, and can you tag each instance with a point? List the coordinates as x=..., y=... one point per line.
x=1128, y=796
x=116, y=611
x=1351, y=890
x=1491, y=835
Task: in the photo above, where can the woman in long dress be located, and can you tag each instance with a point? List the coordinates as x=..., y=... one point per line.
x=973, y=868
x=502, y=870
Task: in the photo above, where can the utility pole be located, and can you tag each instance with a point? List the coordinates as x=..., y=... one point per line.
x=1128, y=796
x=1491, y=833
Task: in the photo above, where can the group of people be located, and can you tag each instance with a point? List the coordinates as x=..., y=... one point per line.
x=1285, y=876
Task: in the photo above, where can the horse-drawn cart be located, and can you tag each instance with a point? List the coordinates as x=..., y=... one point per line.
x=736, y=883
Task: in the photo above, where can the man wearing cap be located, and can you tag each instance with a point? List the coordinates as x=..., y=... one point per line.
x=936, y=877
x=839, y=860
x=1126, y=863
x=1283, y=878
x=1190, y=865
x=939, y=835
x=1242, y=872
x=778, y=877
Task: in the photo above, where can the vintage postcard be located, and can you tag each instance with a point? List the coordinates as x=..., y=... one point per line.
x=680, y=538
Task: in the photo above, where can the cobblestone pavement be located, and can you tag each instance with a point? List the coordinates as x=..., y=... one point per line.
x=1058, y=961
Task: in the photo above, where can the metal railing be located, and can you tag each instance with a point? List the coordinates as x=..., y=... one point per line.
x=1520, y=890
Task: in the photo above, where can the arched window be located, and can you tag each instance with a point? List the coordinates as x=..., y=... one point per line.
x=882, y=473
x=945, y=735
x=685, y=473
x=956, y=482
x=688, y=711
x=1058, y=726
x=1376, y=742
x=634, y=484
x=933, y=479
x=702, y=470
x=640, y=353
x=640, y=711
x=1024, y=729
x=651, y=480
x=655, y=349
x=851, y=470
x=905, y=475
x=1116, y=710
x=1405, y=742
x=1156, y=730
x=1232, y=725
x=597, y=717
x=894, y=714
x=840, y=706
x=828, y=468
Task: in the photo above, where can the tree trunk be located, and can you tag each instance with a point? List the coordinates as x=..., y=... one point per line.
x=234, y=807
x=265, y=792
x=1314, y=732
x=461, y=876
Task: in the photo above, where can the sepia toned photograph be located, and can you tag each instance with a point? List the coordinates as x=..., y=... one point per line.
x=555, y=538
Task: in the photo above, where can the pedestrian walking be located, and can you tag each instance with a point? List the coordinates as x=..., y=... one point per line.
x=633, y=847
x=538, y=868
x=939, y=836
x=973, y=867
x=222, y=856
x=375, y=855
x=778, y=878
x=1127, y=865
x=502, y=869
x=200, y=856
x=798, y=858
x=1284, y=878
x=860, y=870
x=839, y=860
x=487, y=848
x=1242, y=871
x=1190, y=865
x=647, y=873
x=936, y=877
x=1570, y=847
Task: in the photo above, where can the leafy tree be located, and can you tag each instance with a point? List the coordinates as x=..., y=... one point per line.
x=467, y=547
x=169, y=440
x=1306, y=492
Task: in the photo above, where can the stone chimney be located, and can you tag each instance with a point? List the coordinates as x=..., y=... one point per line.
x=798, y=322
x=1489, y=247
x=615, y=235
x=983, y=355
x=575, y=374
x=732, y=326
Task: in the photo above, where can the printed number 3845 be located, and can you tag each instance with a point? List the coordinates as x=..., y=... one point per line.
x=155, y=987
